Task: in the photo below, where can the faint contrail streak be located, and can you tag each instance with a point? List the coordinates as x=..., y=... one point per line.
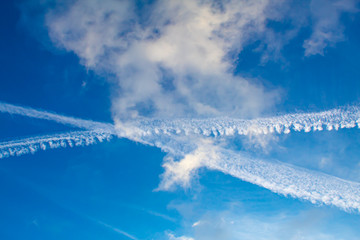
x=289, y=180
x=39, y=114
x=117, y=230
x=33, y=144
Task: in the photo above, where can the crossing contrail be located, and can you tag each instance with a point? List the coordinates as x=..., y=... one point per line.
x=176, y=135
x=346, y=117
x=34, y=144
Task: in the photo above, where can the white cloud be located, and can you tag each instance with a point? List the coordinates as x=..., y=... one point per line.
x=327, y=27
x=170, y=60
x=181, y=172
x=176, y=58
x=172, y=237
x=281, y=178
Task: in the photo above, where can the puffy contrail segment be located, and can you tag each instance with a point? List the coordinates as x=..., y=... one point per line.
x=34, y=144
x=347, y=117
x=39, y=114
x=289, y=180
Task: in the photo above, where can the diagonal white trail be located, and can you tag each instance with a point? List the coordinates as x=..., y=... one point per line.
x=289, y=180
x=39, y=114
x=34, y=144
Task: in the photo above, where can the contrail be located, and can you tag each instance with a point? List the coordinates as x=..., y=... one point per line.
x=39, y=114
x=34, y=144
x=289, y=180
x=117, y=230
x=276, y=176
x=348, y=117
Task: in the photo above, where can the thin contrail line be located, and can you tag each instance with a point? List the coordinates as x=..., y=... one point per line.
x=39, y=114
x=115, y=229
x=34, y=144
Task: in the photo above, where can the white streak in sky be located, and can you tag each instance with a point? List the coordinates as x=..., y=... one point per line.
x=334, y=119
x=289, y=180
x=276, y=176
x=116, y=230
x=348, y=117
x=34, y=144
x=39, y=114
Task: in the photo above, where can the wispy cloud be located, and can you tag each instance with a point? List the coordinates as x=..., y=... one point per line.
x=327, y=28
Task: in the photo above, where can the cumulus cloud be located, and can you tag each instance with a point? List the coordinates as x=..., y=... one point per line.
x=176, y=58
x=169, y=58
x=181, y=172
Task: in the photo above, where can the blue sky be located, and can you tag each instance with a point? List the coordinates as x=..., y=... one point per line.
x=173, y=80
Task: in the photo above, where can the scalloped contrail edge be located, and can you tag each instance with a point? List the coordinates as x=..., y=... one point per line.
x=34, y=144
x=289, y=180
x=346, y=117
x=334, y=119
